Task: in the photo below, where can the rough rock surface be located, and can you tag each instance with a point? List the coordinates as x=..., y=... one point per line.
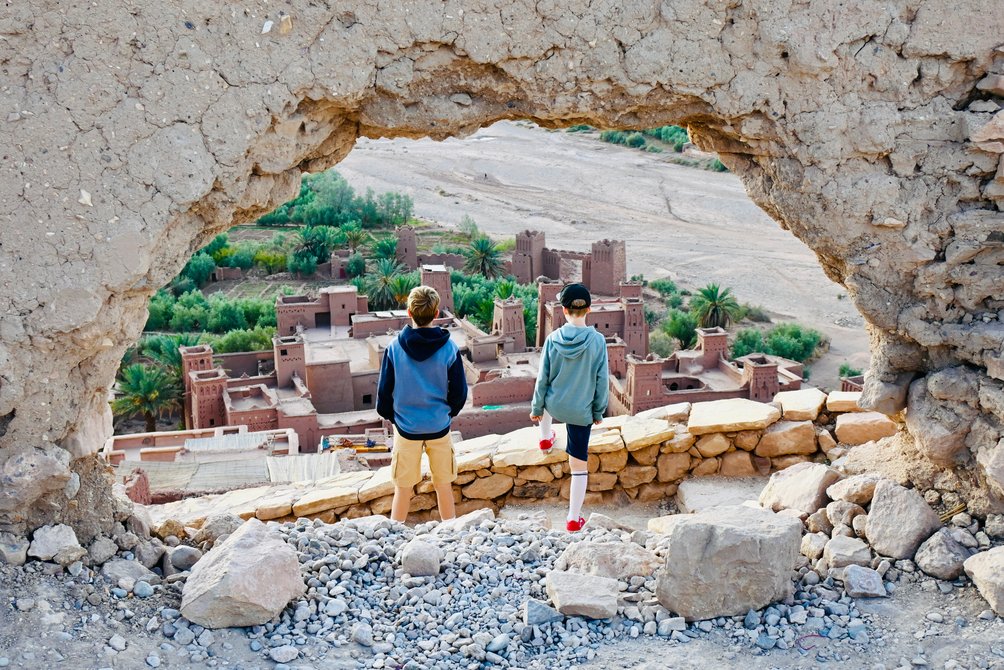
x=942, y=556
x=860, y=427
x=245, y=581
x=726, y=561
x=56, y=543
x=575, y=594
x=167, y=123
x=863, y=582
x=986, y=569
x=613, y=560
x=801, y=487
x=421, y=559
x=899, y=520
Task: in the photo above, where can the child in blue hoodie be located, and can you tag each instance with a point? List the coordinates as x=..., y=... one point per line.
x=572, y=387
x=422, y=387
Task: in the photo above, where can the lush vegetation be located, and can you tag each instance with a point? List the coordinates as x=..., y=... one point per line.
x=714, y=307
x=326, y=199
x=682, y=327
x=474, y=299
x=483, y=258
x=192, y=311
x=148, y=391
x=657, y=140
x=788, y=340
x=847, y=371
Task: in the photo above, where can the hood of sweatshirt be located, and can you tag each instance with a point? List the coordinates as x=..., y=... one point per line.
x=572, y=341
x=422, y=343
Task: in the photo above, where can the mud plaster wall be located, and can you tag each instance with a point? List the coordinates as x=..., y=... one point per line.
x=135, y=131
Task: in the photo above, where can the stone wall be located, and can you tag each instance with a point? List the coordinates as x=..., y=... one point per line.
x=641, y=458
x=134, y=134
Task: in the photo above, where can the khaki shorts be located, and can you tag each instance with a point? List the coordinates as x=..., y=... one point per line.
x=406, y=461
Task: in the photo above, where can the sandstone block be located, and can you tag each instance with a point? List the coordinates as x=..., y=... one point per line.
x=706, y=468
x=589, y=596
x=542, y=490
x=682, y=441
x=613, y=560
x=537, y=473
x=737, y=464
x=377, y=486
x=726, y=561
x=986, y=569
x=860, y=526
x=613, y=461
x=723, y=416
x=520, y=448
x=338, y=491
x=899, y=520
x=842, y=551
x=785, y=462
x=860, y=427
x=673, y=467
x=942, y=556
x=601, y=481
x=698, y=495
x=857, y=489
x=786, y=438
x=819, y=522
x=802, y=405
x=747, y=439
x=245, y=581
x=801, y=487
x=646, y=455
x=843, y=401
x=712, y=445
x=863, y=582
x=487, y=488
x=605, y=441
x=217, y=525
x=636, y=475
x=663, y=524
x=825, y=441
x=673, y=413
x=421, y=559
x=655, y=491
x=639, y=433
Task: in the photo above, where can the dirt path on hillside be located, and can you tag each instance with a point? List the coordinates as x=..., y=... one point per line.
x=691, y=225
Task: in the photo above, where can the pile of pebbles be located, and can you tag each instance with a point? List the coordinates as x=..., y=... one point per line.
x=488, y=605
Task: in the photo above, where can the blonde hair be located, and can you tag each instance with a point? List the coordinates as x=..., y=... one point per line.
x=577, y=311
x=423, y=305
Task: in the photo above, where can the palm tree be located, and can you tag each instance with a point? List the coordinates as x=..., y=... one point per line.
x=379, y=283
x=147, y=390
x=714, y=307
x=483, y=258
x=355, y=237
x=505, y=289
x=385, y=248
x=401, y=286
x=163, y=349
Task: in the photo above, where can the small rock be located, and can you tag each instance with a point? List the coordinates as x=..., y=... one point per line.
x=362, y=633
x=117, y=642
x=283, y=654
x=862, y=582
x=184, y=557
x=537, y=613
x=142, y=589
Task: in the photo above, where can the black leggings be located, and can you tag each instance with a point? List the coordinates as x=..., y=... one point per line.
x=578, y=441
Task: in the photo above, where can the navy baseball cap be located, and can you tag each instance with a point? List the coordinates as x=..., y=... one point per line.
x=575, y=296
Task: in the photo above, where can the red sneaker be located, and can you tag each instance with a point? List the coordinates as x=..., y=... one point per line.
x=545, y=445
x=575, y=526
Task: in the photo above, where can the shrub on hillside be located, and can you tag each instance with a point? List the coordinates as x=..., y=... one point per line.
x=788, y=340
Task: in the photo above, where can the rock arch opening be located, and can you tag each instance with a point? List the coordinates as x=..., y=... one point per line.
x=873, y=134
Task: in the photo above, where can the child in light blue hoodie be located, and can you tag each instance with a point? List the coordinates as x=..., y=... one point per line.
x=572, y=387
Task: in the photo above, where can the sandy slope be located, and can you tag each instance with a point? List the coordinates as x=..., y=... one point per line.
x=692, y=225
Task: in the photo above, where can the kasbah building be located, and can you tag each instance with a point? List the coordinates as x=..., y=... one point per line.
x=319, y=380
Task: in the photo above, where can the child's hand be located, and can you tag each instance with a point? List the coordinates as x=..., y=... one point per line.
x=596, y=423
x=536, y=419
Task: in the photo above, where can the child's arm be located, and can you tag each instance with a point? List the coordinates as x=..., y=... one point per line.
x=385, y=389
x=602, y=393
x=543, y=381
x=456, y=386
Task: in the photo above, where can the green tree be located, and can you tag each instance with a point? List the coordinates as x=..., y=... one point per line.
x=147, y=390
x=355, y=266
x=661, y=343
x=714, y=307
x=199, y=268
x=301, y=263
x=505, y=289
x=748, y=341
x=379, y=283
x=469, y=228
x=252, y=339
x=788, y=340
x=191, y=312
x=400, y=286
x=483, y=258
x=682, y=327
x=225, y=315
x=385, y=248
x=161, y=309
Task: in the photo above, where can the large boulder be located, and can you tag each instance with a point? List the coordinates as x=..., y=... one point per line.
x=421, y=559
x=787, y=437
x=899, y=520
x=697, y=495
x=724, y=416
x=245, y=581
x=986, y=569
x=56, y=543
x=860, y=427
x=575, y=594
x=727, y=561
x=801, y=487
x=614, y=560
x=942, y=556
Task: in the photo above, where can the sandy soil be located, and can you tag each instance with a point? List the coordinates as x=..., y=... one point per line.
x=691, y=225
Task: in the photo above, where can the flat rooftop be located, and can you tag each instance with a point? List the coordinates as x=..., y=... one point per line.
x=347, y=418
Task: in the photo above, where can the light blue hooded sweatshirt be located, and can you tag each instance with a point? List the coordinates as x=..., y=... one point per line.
x=572, y=381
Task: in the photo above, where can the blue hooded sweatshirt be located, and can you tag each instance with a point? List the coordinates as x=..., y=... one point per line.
x=422, y=383
x=572, y=383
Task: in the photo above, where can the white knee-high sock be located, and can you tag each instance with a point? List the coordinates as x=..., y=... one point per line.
x=577, y=494
x=545, y=426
